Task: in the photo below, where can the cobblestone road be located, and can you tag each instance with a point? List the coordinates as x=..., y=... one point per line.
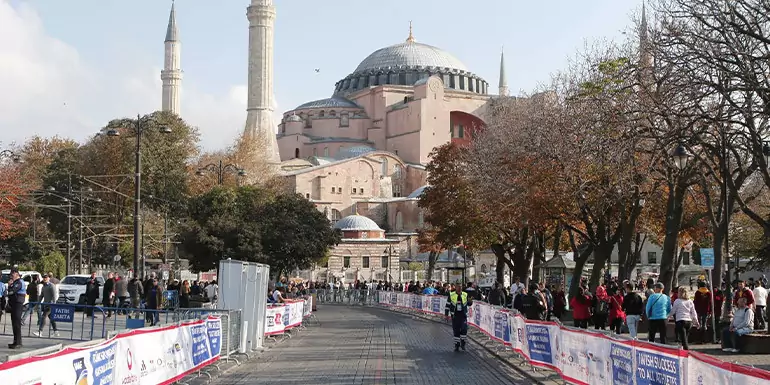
x=355, y=345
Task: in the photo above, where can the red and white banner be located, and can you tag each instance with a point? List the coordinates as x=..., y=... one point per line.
x=143, y=356
x=585, y=357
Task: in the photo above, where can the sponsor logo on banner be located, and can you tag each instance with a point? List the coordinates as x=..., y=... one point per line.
x=622, y=358
x=653, y=368
x=539, y=343
x=81, y=372
x=131, y=378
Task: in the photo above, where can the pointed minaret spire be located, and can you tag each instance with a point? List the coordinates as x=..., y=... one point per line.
x=171, y=75
x=410, y=39
x=503, y=86
x=645, y=56
x=171, y=31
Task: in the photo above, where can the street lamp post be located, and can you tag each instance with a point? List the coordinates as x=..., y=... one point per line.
x=221, y=169
x=138, y=129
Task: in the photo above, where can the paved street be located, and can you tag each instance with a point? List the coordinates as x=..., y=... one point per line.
x=356, y=345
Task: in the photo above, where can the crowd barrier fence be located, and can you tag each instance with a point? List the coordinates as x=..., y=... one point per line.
x=347, y=296
x=155, y=355
x=586, y=357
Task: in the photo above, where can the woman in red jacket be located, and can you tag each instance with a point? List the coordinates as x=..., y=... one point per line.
x=581, y=309
x=617, y=315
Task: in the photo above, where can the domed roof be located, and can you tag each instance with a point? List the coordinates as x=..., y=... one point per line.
x=410, y=54
x=353, y=152
x=293, y=118
x=333, y=102
x=357, y=223
x=417, y=193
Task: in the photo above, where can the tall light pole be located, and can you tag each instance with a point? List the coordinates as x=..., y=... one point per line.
x=221, y=169
x=138, y=130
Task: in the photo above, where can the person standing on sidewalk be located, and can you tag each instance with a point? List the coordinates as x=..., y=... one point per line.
x=760, y=301
x=685, y=316
x=33, y=292
x=49, y=294
x=658, y=308
x=459, y=300
x=17, y=293
x=633, y=305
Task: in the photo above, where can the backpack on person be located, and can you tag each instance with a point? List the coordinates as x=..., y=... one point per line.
x=601, y=307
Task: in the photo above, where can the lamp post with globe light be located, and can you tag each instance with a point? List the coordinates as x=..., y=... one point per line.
x=140, y=126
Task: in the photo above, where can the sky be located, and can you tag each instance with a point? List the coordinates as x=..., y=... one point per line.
x=68, y=67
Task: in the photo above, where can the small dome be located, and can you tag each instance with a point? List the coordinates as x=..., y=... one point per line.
x=357, y=223
x=293, y=118
x=333, y=102
x=417, y=193
x=353, y=152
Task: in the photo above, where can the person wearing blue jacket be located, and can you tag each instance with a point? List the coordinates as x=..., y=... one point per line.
x=658, y=308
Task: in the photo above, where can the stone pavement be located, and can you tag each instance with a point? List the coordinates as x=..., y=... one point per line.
x=361, y=345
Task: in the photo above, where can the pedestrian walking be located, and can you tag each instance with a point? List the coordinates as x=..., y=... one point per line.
x=633, y=305
x=92, y=294
x=459, y=301
x=49, y=294
x=17, y=293
x=760, y=302
x=685, y=316
x=658, y=308
x=33, y=295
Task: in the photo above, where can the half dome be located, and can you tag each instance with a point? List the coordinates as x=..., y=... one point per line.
x=356, y=223
x=353, y=152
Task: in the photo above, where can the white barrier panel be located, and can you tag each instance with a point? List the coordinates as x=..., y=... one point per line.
x=584, y=357
x=143, y=356
x=274, y=320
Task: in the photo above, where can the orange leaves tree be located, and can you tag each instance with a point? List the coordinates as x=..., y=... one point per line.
x=451, y=211
x=12, y=189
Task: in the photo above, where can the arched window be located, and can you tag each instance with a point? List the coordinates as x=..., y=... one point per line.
x=483, y=268
x=326, y=152
x=336, y=216
x=399, y=221
x=315, y=151
x=332, y=113
x=344, y=119
x=309, y=121
x=397, y=171
x=321, y=114
x=296, y=152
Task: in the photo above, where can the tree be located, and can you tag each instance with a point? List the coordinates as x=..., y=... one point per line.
x=255, y=224
x=12, y=188
x=294, y=234
x=451, y=210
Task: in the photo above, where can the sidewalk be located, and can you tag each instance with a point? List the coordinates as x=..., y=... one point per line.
x=30, y=344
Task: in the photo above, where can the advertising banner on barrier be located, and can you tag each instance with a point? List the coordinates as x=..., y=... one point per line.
x=274, y=320
x=586, y=357
x=144, y=356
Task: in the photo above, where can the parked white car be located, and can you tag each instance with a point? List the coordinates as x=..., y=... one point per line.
x=72, y=289
x=5, y=277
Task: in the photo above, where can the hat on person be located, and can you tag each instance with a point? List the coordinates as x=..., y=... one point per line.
x=45, y=275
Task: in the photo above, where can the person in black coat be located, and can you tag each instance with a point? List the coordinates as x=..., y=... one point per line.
x=92, y=294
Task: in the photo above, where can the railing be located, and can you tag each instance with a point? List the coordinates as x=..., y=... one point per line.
x=347, y=297
x=580, y=356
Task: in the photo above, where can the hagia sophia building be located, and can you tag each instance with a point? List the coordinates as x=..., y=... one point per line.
x=360, y=154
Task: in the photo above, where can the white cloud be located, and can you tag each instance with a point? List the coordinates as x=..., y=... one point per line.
x=47, y=88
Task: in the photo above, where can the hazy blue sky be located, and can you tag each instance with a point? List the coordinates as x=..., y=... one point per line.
x=67, y=67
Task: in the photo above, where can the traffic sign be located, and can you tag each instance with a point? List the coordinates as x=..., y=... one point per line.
x=707, y=258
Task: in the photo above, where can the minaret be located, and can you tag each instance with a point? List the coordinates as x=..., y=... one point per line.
x=259, y=120
x=646, y=61
x=172, y=72
x=503, y=86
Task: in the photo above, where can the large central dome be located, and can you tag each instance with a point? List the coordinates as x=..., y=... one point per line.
x=410, y=54
x=408, y=64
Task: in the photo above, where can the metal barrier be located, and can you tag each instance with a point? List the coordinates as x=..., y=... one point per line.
x=348, y=297
x=76, y=323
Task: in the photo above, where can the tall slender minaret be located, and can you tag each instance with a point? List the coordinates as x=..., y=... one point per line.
x=646, y=58
x=503, y=86
x=259, y=119
x=172, y=71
